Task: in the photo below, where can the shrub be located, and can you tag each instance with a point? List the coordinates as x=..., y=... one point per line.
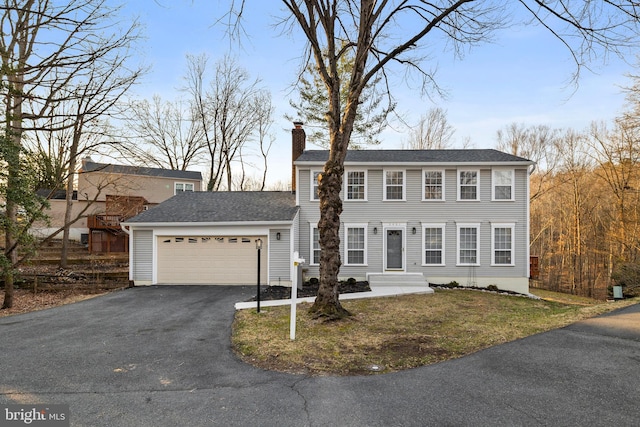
x=492, y=288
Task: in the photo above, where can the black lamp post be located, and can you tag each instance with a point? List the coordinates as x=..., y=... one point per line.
x=258, y=247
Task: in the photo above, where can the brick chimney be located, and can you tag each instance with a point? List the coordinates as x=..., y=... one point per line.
x=298, y=141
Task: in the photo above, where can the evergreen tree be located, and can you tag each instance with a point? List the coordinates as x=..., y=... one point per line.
x=311, y=108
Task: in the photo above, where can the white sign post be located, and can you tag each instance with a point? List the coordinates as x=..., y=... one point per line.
x=294, y=295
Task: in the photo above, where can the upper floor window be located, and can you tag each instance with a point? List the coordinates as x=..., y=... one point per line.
x=315, y=245
x=502, y=180
x=502, y=243
x=180, y=187
x=468, y=185
x=356, y=244
x=433, y=185
x=394, y=188
x=314, y=185
x=356, y=185
x=468, y=241
x=433, y=253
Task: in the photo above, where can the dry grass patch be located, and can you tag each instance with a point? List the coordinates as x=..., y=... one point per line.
x=395, y=333
x=25, y=301
x=565, y=298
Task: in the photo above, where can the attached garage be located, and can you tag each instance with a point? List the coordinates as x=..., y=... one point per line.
x=210, y=238
x=217, y=260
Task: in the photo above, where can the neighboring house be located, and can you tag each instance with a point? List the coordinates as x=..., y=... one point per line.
x=108, y=194
x=409, y=216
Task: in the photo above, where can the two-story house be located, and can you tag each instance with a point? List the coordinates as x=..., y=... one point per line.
x=432, y=215
x=108, y=194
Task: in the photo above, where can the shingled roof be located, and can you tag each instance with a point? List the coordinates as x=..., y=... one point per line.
x=417, y=156
x=88, y=166
x=222, y=207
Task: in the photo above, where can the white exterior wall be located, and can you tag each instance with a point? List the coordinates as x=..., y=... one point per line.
x=378, y=214
x=280, y=258
x=141, y=257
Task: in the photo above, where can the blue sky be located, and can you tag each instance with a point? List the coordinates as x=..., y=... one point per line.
x=523, y=76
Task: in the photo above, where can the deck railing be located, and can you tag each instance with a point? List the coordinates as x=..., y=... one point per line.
x=104, y=222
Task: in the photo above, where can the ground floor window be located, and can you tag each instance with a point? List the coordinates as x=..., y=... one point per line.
x=315, y=245
x=433, y=253
x=468, y=244
x=502, y=243
x=355, y=244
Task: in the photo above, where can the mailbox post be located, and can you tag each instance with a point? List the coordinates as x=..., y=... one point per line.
x=258, y=247
x=297, y=265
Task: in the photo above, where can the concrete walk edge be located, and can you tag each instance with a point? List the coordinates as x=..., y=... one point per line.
x=375, y=292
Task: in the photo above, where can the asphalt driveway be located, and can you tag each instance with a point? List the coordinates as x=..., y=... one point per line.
x=160, y=356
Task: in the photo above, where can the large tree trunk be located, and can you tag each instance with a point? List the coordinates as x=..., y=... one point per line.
x=64, y=255
x=13, y=117
x=329, y=187
x=327, y=303
x=12, y=157
x=8, y=290
x=11, y=251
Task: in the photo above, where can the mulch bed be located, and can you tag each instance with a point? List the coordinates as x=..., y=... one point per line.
x=308, y=290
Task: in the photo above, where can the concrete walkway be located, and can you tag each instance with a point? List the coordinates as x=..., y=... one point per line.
x=161, y=356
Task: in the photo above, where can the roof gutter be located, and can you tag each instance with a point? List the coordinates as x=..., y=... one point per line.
x=204, y=224
x=420, y=164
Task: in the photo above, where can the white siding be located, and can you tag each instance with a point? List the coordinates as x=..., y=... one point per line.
x=279, y=257
x=142, y=266
x=414, y=211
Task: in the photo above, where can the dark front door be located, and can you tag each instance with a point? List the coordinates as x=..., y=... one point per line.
x=394, y=249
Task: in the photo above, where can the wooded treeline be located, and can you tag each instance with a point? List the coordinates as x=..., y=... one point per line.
x=585, y=202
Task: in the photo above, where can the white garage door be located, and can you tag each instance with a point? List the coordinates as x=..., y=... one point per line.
x=211, y=260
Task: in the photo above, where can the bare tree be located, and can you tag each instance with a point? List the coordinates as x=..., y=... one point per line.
x=585, y=223
x=46, y=48
x=617, y=153
x=433, y=131
x=384, y=34
x=92, y=98
x=164, y=134
x=263, y=127
x=539, y=143
x=229, y=112
x=576, y=168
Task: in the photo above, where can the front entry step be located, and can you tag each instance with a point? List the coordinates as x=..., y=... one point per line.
x=397, y=279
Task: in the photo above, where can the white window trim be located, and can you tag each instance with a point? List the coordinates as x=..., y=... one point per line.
x=459, y=186
x=494, y=183
x=468, y=225
x=312, y=227
x=512, y=226
x=184, y=184
x=346, y=185
x=312, y=184
x=443, y=227
x=442, y=171
x=384, y=185
x=365, y=226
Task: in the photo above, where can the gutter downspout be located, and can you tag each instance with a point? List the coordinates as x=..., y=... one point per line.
x=127, y=230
